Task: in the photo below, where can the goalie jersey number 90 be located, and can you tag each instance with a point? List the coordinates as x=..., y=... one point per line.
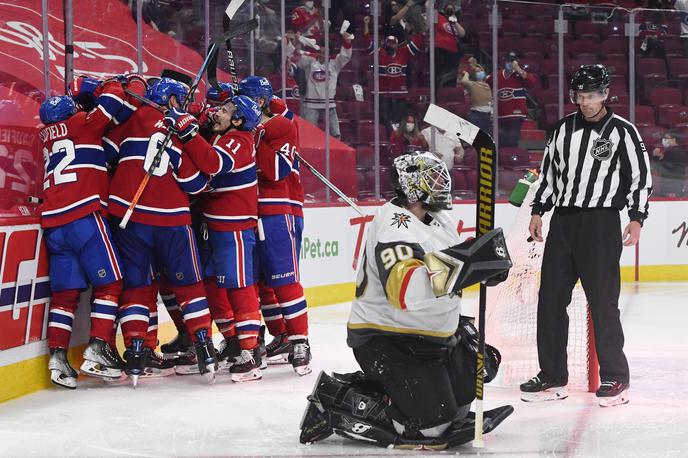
x=387, y=255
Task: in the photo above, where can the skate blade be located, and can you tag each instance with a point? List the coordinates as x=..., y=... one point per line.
x=254, y=374
x=134, y=380
x=174, y=355
x=278, y=359
x=618, y=400
x=433, y=447
x=552, y=394
x=187, y=370
x=303, y=370
x=154, y=373
x=97, y=370
x=62, y=381
x=209, y=376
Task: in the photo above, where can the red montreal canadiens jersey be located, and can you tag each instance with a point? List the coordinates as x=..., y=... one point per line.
x=76, y=178
x=164, y=202
x=512, y=94
x=275, y=156
x=306, y=21
x=393, y=69
x=446, y=34
x=278, y=105
x=232, y=204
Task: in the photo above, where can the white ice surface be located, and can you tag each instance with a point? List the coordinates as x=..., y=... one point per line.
x=181, y=416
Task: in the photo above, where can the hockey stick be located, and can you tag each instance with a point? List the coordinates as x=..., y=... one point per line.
x=226, y=26
x=241, y=29
x=330, y=185
x=485, y=209
x=210, y=56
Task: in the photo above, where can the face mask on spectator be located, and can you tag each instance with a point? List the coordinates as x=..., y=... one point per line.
x=309, y=5
x=410, y=126
x=508, y=66
x=666, y=142
x=479, y=76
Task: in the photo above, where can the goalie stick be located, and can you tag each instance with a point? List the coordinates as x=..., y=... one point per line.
x=460, y=129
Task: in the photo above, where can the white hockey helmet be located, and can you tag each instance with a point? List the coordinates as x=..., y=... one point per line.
x=421, y=176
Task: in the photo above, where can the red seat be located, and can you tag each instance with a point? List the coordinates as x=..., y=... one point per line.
x=365, y=132
x=513, y=157
x=450, y=94
x=586, y=28
x=673, y=116
x=664, y=96
x=651, y=81
x=651, y=135
x=678, y=67
x=614, y=45
x=644, y=115
x=577, y=46
x=650, y=65
x=365, y=156
x=361, y=110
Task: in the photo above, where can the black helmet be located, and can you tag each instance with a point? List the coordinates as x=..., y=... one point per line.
x=590, y=78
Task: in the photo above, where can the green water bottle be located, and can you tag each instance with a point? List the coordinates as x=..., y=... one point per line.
x=522, y=187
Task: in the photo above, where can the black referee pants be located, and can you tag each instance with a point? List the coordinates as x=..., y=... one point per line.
x=585, y=244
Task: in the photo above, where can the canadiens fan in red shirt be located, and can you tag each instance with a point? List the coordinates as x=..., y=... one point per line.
x=448, y=31
x=511, y=95
x=393, y=70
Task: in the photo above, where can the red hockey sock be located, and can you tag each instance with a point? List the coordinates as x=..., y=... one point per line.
x=104, y=310
x=294, y=309
x=63, y=304
x=272, y=313
x=171, y=304
x=194, y=307
x=246, y=311
x=134, y=312
x=220, y=308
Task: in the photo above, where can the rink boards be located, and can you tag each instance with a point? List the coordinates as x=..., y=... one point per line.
x=333, y=241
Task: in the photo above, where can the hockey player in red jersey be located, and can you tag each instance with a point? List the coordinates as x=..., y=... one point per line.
x=230, y=211
x=277, y=251
x=77, y=236
x=279, y=349
x=159, y=233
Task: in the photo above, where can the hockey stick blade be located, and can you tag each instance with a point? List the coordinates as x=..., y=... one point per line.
x=241, y=29
x=233, y=7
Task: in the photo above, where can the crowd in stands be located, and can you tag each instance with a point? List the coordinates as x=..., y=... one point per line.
x=528, y=82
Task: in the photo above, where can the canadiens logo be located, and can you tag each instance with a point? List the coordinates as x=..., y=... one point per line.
x=319, y=76
x=394, y=69
x=602, y=149
x=505, y=93
x=400, y=219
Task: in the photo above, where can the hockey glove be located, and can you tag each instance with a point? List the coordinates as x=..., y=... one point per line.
x=184, y=125
x=82, y=90
x=468, y=263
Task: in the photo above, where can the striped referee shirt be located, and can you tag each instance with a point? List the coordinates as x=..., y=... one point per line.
x=601, y=164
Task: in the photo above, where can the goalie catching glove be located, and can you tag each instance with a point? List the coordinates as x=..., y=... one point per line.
x=485, y=258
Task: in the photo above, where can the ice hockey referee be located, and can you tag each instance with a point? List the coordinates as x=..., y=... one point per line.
x=594, y=165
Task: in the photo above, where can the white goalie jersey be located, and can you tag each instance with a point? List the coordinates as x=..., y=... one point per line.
x=394, y=295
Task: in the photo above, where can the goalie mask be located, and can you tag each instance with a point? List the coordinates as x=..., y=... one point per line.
x=422, y=177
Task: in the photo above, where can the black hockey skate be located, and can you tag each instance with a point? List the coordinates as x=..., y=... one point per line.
x=278, y=350
x=263, y=349
x=178, y=346
x=300, y=358
x=61, y=372
x=135, y=357
x=536, y=390
x=247, y=366
x=158, y=366
x=611, y=393
x=100, y=360
x=228, y=352
x=205, y=355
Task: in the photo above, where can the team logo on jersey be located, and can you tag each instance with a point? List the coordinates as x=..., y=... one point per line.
x=400, y=219
x=102, y=273
x=319, y=76
x=505, y=93
x=602, y=149
x=394, y=69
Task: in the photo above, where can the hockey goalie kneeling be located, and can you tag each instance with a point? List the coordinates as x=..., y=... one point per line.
x=417, y=355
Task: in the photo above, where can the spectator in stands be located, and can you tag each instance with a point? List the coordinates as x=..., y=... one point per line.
x=307, y=21
x=652, y=33
x=268, y=34
x=512, y=82
x=394, y=59
x=450, y=150
x=153, y=15
x=402, y=19
x=682, y=5
x=480, y=93
x=406, y=135
x=448, y=31
x=670, y=162
x=319, y=95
